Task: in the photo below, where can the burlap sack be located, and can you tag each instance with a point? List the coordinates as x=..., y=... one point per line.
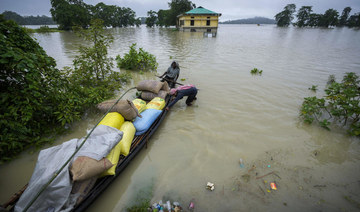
x=162, y=94
x=150, y=85
x=125, y=107
x=82, y=188
x=84, y=168
x=165, y=87
x=148, y=96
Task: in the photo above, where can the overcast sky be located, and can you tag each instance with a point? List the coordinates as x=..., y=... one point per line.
x=230, y=9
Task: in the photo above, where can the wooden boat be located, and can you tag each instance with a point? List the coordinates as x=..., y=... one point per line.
x=137, y=144
x=102, y=183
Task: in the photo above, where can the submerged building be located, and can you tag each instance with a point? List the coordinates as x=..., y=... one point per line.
x=199, y=20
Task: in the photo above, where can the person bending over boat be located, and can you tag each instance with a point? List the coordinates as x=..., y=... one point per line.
x=185, y=90
x=171, y=74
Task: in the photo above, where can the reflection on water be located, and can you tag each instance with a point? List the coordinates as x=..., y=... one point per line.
x=237, y=115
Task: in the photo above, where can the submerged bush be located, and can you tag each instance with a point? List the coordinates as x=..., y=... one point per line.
x=256, y=71
x=30, y=87
x=38, y=99
x=341, y=105
x=137, y=60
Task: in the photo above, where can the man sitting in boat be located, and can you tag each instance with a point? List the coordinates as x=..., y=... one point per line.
x=185, y=90
x=171, y=74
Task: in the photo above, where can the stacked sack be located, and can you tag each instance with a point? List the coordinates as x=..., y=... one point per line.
x=123, y=110
x=125, y=116
x=152, y=88
x=125, y=107
x=152, y=111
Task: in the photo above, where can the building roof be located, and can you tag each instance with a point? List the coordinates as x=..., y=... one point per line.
x=201, y=11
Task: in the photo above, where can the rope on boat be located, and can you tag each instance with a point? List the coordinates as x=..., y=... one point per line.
x=72, y=156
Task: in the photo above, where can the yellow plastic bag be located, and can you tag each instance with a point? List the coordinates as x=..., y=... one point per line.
x=123, y=147
x=113, y=157
x=129, y=132
x=113, y=119
x=156, y=103
x=140, y=105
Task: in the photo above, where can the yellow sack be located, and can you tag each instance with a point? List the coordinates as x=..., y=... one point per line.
x=123, y=147
x=113, y=119
x=113, y=157
x=156, y=103
x=129, y=132
x=139, y=104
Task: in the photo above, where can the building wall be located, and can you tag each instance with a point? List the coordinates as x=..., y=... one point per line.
x=200, y=21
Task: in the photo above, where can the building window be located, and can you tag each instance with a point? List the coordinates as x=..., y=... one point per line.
x=208, y=30
x=192, y=23
x=181, y=22
x=207, y=22
x=192, y=30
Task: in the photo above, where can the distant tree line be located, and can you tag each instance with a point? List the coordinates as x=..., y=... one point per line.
x=69, y=13
x=28, y=20
x=256, y=20
x=168, y=17
x=306, y=18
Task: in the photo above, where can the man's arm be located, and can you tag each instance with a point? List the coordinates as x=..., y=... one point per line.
x=178, y=97
x=165, y=72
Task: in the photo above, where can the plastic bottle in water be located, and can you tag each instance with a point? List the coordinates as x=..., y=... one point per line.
x=168, y=205
x=241, y=163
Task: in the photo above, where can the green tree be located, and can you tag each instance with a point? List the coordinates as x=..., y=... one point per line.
x=314, y=20
x=303, y=16
x=163, y=18
x=178, y=7
x=30, y=87
x=151, y=19
x=69, y=13
x=37, y=98
x=344, y=16
x=92, y=80
x=137, y=60
x=284, y=18
x=8, y=15
x=105, y=13
x=354, y=20
x=330, y=18
x=28, y=20
x=138, y=22
x=93, y=61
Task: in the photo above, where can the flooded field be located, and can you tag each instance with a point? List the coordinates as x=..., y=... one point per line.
x=237, y=115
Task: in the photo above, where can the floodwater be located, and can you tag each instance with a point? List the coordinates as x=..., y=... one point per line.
x=237, y=115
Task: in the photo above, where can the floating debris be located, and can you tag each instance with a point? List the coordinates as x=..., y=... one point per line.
x=191, y=205
x=273, y=186
x=241, y=163
x=210, y=186
x=246, y=177
x=252, y=168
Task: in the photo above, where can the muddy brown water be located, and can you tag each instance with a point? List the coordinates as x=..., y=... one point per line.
x=237, y=115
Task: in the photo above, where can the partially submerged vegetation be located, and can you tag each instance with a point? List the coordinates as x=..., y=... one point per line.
x=340, y=106
x=168, y=17
x=256, y=71
x=42, y=29
x=313, y=88
x=137, y=60
x=37, y=99
x=69, y=13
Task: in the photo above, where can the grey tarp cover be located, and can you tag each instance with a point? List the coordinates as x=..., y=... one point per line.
x=50, y=160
